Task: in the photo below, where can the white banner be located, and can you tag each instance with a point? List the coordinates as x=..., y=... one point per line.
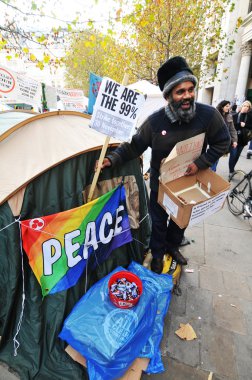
x=116, y=110
x=73, y=100
x=19, y=87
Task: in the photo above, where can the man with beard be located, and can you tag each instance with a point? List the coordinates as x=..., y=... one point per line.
x=179, y=120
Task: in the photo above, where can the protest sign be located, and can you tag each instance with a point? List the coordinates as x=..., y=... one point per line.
x=116, y=110
x=19, y=87
x=73, y=100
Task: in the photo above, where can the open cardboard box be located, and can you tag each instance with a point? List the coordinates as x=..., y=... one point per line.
x=189, y=199
x=133, y=373
x=179, y=207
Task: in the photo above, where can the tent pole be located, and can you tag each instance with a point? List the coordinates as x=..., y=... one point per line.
x=103, y=152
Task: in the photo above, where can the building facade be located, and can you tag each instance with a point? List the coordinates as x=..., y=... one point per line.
x=233, y=79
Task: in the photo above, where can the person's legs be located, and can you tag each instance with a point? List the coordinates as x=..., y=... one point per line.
x=163, y=238
x=239, y=149
x=249, y=151
x=174, y=237
x=232, y=159
x=159, y=227
x=158, y=233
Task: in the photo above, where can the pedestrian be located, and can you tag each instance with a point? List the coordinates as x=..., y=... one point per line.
x=243, y=124
x=233, y=109
x=180, y=119
x=224, y=109
x=249, y=151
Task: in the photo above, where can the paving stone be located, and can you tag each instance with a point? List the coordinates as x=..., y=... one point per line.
x=199, y=304
x=233, y=258
x=190, y=279
x=5, y=373
x=186, y=352
x=243, y=353
x=195, y=251
x=249, y=281
x=225, y=218
x=228, y=314
x=247, y=311
x=177, y=371
x=217, y=351
x=236, y=285
x=178, y=303
x=211, y=279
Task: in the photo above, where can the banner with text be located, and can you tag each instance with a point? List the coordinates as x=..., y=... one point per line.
x=19, y=87
x=116, y=110
x=59, y=245
x=73, y=100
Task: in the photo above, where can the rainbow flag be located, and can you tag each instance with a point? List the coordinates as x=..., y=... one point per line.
x=59, y=246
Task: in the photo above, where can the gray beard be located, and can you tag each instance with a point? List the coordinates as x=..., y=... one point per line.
x=180, y=114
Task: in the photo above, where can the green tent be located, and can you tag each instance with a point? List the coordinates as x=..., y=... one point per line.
x=46, y=164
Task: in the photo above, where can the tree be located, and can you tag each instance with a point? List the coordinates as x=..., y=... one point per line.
x=92, y=51
x=19, y=37
x=160, y=29
x=145, y=33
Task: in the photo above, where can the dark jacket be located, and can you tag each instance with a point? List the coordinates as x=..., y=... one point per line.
x=161, y=135
x=230, y=124
x=245, y=118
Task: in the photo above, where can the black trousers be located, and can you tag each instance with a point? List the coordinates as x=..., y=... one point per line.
x=165, y=237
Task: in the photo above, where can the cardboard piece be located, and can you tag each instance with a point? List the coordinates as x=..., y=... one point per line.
x=183, y=154
x=133, y=373
x=186, y=332
x=188, y=214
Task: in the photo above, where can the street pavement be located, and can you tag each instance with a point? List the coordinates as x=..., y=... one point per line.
x=216, y=300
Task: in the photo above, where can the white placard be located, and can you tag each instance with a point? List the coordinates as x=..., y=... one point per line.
x=116, y=110
x=73, y=100
x=183, y=154
x=19, y=87
x=207, y=208
x=170, y=206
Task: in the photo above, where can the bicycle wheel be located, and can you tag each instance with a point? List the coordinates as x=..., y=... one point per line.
x=240, y=190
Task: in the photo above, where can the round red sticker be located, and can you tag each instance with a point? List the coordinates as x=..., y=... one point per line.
x=7, y=81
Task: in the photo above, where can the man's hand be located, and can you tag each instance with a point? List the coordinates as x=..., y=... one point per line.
x=242, y=124
x=234, y=145
x=106, y=163
x=191, y=169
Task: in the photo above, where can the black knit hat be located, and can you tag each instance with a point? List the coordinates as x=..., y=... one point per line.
x=174, y=71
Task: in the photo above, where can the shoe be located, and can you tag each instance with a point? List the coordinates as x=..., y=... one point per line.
x=230, y=176
x=184, y=242
x=157, y=265
x=177, y=256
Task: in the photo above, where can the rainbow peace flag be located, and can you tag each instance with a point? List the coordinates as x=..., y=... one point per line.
x=59, y=246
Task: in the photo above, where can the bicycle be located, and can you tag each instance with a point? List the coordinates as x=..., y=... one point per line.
x=239, y=199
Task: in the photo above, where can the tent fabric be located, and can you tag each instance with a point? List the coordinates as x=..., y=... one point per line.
x=45, y=140
x=10, y=118
x=41, y=354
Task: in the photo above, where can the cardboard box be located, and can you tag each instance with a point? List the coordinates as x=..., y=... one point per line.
x=191, y=199
x=133, y=373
